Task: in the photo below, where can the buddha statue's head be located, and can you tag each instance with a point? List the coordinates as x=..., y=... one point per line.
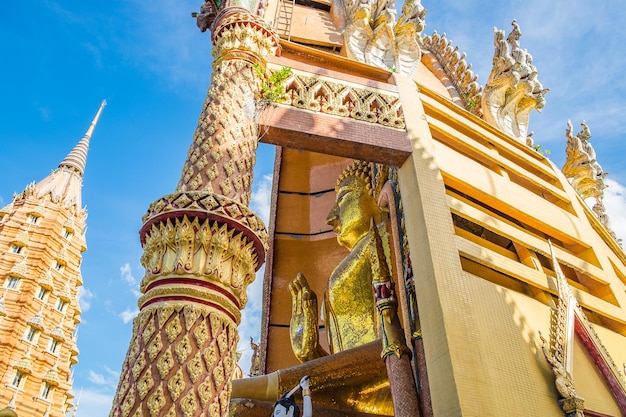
x=354, y=206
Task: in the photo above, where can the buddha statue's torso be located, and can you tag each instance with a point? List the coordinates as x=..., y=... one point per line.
x=349, y=311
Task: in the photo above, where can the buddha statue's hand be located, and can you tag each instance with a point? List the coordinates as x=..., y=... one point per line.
x=303, y=328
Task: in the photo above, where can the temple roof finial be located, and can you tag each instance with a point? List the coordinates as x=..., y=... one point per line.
x=77, y=158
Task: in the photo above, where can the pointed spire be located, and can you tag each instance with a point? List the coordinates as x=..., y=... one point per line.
x=77, y=158
x=77, y=403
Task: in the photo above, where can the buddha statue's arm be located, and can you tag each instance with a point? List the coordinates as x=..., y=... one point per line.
x=303, y=327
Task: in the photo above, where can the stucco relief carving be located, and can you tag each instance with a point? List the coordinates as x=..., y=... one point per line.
x=455, y=69
x=581, y=167
x=222, y=155
x=318, y=94
x=512, y=90
x=559, y=347
x=583, y=171
x=202, y=249
x=201, y=203
x=373, y=36
x=243, y=31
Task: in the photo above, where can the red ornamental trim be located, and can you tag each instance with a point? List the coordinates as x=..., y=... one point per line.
x=196, y=283
x=187, y=298
x=601, y=364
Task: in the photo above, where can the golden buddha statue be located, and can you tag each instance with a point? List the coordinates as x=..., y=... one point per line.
x=353, y=377
x=348, y=308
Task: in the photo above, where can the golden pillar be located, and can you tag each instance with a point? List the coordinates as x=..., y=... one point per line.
x=202, y=244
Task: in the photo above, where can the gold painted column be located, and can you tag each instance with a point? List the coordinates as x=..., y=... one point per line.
x=202, y=244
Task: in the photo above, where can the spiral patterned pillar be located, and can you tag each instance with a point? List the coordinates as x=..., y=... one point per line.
x=202, y=244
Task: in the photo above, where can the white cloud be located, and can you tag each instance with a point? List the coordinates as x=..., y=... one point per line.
x=84, y=298
x=615, y=203
x=45, y=113
x=128, y=315
x=93, y=403
x=261, y=198
x=96, y=378
x=128, y=277
x=107, y=379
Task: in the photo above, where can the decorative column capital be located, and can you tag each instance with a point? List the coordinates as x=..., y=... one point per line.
x=225, y=18
x=238, y=32
x=204, y=205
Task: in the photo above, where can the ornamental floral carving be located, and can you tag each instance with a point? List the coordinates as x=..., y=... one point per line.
x=319, y=94
x=165, y=363
x=200, y=248
x=191, y=377
x=243, y=31
x=201, y=203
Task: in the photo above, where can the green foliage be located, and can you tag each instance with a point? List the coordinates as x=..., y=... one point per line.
x=470, y=102
x=272, y=86
x=544, y=152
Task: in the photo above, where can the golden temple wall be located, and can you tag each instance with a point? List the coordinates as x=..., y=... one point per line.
x=481, y=317
x=483, y=298
x=479, y=210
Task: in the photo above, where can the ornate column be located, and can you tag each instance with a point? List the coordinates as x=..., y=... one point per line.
x=395, y=354
x=202, y=244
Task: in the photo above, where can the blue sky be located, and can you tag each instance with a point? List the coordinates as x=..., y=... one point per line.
x=60, y=59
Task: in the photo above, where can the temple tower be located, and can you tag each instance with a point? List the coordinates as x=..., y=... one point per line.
x=466, y=208
x=41, y=244
x=202, y=244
